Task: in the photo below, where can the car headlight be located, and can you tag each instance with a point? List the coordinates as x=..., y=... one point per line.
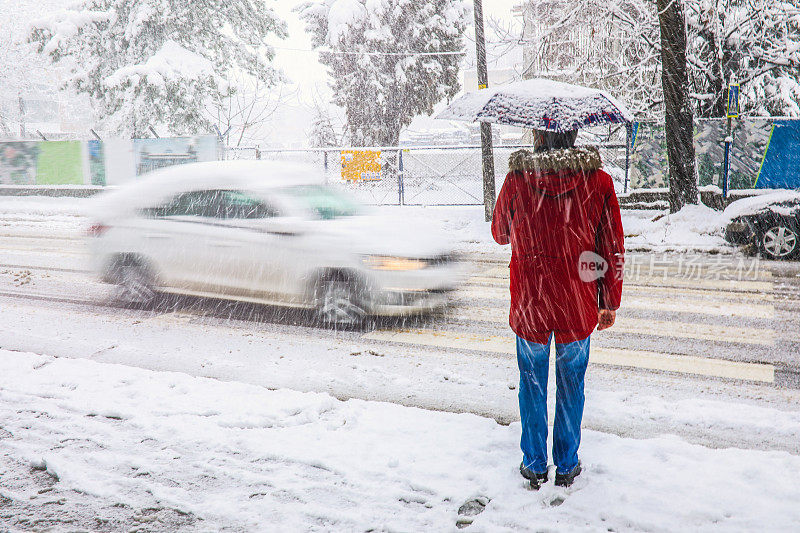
x=386, y=262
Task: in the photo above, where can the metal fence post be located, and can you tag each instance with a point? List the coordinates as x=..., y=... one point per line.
x=400, y=192
x=627, y=155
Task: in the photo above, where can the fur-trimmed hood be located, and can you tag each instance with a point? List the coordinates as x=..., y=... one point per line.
x=582, y=158
x=555, y=172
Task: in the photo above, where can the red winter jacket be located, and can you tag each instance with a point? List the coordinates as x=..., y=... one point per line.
x=555, y=206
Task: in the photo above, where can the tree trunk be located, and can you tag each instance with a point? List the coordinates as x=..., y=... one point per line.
x=678, y=112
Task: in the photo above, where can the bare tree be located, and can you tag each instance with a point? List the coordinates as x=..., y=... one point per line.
x=246, y=108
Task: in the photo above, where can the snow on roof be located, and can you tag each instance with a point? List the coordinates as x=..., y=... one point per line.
x=540, y=104
x=762, y=202
x=164, y=183
x=172, y=61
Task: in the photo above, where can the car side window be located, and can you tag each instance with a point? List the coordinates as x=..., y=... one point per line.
x=220, y=204
x=241, y=205
x=193, y=203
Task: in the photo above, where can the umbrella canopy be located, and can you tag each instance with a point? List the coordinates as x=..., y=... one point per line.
x=539, y=104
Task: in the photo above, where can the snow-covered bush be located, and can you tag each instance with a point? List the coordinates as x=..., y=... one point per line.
x=159, y=62
x=373, y=50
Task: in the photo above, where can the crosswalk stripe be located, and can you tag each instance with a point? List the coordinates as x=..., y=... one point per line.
x=478, y=281
x=642, y=359
x=657, y=271
x=638, y=326
x=683, y=305
x=733, y=285
x=42, y=251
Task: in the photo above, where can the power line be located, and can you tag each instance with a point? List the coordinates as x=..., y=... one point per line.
x=364, y=53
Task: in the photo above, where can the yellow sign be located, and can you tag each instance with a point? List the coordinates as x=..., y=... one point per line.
x=361, y=165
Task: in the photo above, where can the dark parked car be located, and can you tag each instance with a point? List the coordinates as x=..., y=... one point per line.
x=769, y=222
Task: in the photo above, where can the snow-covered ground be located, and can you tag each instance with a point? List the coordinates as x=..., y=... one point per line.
x=693, y=228
x=244, y=457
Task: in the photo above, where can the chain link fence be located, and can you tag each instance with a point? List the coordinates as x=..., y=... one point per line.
x=418, y=175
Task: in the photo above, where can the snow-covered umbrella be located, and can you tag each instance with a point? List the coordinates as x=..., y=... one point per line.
x=539, y=104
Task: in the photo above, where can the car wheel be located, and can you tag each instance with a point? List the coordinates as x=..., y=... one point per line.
x=135, y=285
x=340, y=303
x=779, y=242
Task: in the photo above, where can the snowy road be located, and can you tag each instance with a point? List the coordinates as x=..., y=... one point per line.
x=695, y=355
x=677, y=331
x=725, y=317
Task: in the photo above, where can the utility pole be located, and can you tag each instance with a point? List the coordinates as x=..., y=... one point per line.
x=487, y=155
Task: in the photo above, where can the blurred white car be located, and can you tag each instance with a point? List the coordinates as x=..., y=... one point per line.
x=271, y=233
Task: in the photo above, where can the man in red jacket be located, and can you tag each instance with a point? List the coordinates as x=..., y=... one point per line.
x=560, y=213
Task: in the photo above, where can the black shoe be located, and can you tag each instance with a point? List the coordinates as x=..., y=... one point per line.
x=536, y=478
x=565, y=480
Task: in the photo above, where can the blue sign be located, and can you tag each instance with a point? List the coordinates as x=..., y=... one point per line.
x=780, y=168
x=634, y=132
x=733, y=101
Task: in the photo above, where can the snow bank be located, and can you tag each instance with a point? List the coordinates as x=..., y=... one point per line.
x=244, y=457
x=695, y=227
x=33, y=215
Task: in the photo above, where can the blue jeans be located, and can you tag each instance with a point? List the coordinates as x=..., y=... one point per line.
x=571, y=361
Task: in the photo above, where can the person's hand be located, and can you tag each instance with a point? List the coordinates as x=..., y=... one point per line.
x=605, y=319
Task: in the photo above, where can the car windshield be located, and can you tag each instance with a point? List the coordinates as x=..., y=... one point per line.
x=328, y=203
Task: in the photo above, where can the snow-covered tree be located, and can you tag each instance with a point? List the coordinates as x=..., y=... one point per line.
x=27, y=82
x=754, y=42
x=389, y=60
x=328, y=127
x=615, y=45
x=609, y=45
x=159, y=62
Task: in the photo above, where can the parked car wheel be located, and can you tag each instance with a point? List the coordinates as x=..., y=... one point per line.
x=779, y=242
x=340, y=302
x=134, y=285
x=768, y=223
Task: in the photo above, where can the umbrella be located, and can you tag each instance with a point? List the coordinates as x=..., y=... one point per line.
x=539, y=104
